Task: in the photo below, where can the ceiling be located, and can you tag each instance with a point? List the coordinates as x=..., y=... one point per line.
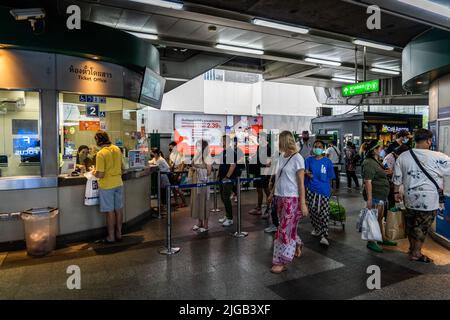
x=185, y=36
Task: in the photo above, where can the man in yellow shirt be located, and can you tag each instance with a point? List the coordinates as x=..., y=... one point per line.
x=108, y=169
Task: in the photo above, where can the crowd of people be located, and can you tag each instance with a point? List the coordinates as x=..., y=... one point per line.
x=297, y=180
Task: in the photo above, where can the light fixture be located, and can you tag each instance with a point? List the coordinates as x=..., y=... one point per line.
x=429, y=6
x=373, y=45
x=177, y=79
x=279, y=26
x=162, y=3
x=385, y=71
x=148, y=36
x=321, y=61
x=239, y=49
x=95, y=57
x=343, y=80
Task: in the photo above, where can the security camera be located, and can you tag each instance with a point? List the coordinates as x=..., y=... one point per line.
x=32, y=15
x=28, y=14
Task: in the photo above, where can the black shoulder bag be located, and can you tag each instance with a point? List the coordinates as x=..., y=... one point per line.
x=440, y=191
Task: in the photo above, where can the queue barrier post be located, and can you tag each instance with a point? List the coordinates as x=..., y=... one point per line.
x=239, y=233
x=169, y=250
x=216, y=186
x=159, y=193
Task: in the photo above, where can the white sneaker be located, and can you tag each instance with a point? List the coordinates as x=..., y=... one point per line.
x=314, y=233
x=222, y=220
x=201, y=230
x=227, y=223
x=195, y=228
x=324, y=241
x=270, y=229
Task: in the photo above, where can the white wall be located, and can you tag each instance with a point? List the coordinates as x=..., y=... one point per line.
x=187, y=97
x=288, y=99
x=229, y=98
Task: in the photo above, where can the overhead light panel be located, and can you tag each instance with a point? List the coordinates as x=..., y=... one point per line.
x=162, y=3
x=148, y=36
x=239, y=49
x=279, y=26
x=343, y=80
x=373, y=45
x=429, y=6
x=321, y=61
x=385, y=71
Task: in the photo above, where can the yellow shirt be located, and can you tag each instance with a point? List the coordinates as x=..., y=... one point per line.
x=109, y=161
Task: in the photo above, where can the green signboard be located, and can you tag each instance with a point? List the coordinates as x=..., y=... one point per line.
x=361, y=88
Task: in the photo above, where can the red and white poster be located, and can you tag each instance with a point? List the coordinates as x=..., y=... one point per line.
x=89, y=125
x=190, y=128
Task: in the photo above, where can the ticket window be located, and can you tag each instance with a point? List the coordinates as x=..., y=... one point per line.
x=20, y=152
x=79, y=121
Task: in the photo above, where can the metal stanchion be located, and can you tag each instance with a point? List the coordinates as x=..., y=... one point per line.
x=215, y=209
x=239, y=233
x=168, y=250
x=159, y=193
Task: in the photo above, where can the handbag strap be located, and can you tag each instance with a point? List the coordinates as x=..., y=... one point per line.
x=423, y=170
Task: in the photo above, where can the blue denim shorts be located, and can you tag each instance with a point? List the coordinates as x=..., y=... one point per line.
x=111, y=199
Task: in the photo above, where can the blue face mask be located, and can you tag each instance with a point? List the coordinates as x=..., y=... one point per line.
x=382, y=154
x=405, y=140
x=318, y=151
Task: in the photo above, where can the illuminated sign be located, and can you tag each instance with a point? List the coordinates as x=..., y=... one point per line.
x=387, y=128
x=361, y=88
x=26, y=146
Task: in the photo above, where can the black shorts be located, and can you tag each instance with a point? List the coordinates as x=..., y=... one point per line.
x=263, y=183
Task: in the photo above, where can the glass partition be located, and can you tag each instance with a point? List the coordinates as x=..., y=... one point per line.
x=20, y=134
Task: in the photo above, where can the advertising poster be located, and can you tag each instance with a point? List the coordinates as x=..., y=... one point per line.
x=246, y=130
x=89, y=126
x=190, y=128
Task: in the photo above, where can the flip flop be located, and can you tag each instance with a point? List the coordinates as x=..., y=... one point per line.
x=278, y=272
x=422, y=258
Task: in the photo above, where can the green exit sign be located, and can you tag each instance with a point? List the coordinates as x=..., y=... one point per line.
x=361, y=88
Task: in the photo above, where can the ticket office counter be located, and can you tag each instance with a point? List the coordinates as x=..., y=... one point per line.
x=43, y=118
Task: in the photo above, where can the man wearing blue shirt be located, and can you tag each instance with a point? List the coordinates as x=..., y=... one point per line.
x=319, y=173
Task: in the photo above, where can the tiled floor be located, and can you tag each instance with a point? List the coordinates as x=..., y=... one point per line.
x=219, y=266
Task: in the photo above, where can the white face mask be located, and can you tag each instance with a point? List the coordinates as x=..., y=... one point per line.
x=382, y=154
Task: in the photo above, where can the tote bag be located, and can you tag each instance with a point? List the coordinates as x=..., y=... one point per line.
x=91, y=195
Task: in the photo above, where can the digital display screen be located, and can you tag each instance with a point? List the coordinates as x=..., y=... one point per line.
x=152, y=89
x=20, y=126
x=28, y=148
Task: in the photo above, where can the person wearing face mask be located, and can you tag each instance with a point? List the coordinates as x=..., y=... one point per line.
x=376, y=187
x=421, y=172
x=305, y=145
x=319, y=173
x=402, y=138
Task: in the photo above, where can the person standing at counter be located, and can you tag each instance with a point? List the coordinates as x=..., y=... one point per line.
x=176, y=163
x=108, y=169
x=158, y=159
x=84, y=161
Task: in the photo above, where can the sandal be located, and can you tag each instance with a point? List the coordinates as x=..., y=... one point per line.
x=277, y=270
x=422, y=258
x=298, y=250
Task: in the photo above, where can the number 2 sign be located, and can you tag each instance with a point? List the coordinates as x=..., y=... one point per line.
x=92, y=110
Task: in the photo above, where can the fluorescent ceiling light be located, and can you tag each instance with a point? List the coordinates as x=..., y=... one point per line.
x=385, y=71
x=177, y=79
x=162, y=3
x=320, y=61
x=147, y=36
x=279, y=26
x=373, y=45
x=429, y=6
x=239, y=49
x=343, y=80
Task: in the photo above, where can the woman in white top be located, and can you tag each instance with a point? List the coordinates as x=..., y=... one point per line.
x=289, y=197
x=199, y=172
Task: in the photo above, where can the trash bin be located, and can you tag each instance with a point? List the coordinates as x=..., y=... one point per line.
x=40, y=226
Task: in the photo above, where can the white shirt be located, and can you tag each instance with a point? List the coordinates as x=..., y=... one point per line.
x=175, y=157
x=389, y=161
x=333, y=155
x=420, y=192
x=287, y=184
x=163, y=167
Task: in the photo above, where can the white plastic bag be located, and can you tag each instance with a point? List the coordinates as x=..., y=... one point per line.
x=370, y=227
x=91, y=194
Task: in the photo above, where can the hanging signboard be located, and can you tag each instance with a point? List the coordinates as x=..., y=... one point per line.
x=361, y=88
x=89, y=125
